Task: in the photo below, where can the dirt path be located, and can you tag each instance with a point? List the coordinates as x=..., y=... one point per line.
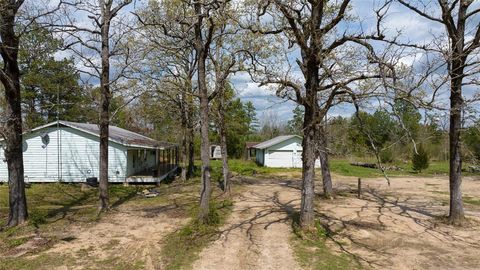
x=127, y=239
x=256, y=236
x=402, y=226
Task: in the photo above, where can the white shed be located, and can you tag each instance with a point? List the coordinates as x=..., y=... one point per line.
x=281, y=152
x=69, y=152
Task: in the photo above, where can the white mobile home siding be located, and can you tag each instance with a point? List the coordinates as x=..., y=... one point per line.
x=79, y=157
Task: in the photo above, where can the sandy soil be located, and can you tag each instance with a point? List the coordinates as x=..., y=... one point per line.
x=125, y=237
x=257, y=233
x=402, y=226
x=396, y=227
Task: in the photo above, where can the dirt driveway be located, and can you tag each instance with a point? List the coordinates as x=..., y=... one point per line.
x=402, y=226
x=397, y=227
x=256, y=236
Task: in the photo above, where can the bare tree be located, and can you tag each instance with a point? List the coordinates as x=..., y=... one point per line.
x=226, y=56
x=330, y=61
x=201, y=18
x=459, y=20
x=170, y=64
x=103, y=38
x=202, y=42
x=16, y=19
x=10, y=78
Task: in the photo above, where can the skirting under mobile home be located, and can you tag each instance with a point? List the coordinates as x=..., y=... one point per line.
x=69, y=152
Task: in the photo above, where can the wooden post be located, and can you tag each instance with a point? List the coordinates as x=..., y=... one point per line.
x=163, y=161
x=170, y=158
x=178, y=155
x=359, y=191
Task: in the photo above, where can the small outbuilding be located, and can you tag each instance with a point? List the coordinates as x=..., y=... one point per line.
x=281, y=152
x=215, y=151
x=69, y=152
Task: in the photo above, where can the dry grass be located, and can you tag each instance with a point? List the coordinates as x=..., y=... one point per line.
x=65, y=230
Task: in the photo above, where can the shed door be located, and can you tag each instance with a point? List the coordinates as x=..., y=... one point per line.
x=278, y=158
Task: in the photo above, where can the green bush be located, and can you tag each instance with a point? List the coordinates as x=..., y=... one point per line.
x=37, y=218
x=420, y=160
x=386, y=156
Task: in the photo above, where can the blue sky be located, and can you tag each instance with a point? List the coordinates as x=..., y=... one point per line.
x=412, y=29
x=415, y=29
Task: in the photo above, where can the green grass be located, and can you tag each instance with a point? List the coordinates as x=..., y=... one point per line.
x=246, y=167
x=56, y=203
x=312, y=252
x=51, y=208
x=51, y=261
x=343, y=167
x=471, y=200
x=42, y=261
x=54, y=206
x=181, y=248
x=337, y=166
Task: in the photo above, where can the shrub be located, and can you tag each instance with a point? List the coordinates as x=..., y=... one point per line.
x=420, y=160
x=37, y=218
x=386, y=156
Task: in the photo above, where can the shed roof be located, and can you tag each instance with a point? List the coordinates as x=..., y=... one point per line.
x=116, y=134
x=249, y=145
x=274, y=141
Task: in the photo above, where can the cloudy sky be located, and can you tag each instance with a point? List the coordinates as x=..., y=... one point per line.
x=413, y=28
x=399, y=19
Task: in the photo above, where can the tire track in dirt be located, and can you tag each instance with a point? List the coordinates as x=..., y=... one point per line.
x=256, y=235
x=128, y=235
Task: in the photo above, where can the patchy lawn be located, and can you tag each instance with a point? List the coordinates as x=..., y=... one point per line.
x=182, y=247
x=337, y=166
x=248, y=168
x=65, y=231
x=312, y=251
x=380, y=230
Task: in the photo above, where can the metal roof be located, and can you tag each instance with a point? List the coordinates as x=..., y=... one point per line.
x=250, y=144
x=115, y=134
x=274, y=141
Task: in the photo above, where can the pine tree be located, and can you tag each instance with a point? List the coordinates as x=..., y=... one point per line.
x=420, y=160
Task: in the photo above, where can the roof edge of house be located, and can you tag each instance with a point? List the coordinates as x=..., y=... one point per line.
x=287, y=137
x=67, y=124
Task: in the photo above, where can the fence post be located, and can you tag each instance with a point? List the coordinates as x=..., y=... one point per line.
x=359, y=191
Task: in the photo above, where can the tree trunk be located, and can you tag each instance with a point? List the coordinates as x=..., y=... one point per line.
x=202, y=53
x=307, y=214
x=456, y=215
x=309, y=154
x=184, y=155
x=13, y=152
x=204, y=148
x=190, y=137
x=104, y=112
x=184, y=147
x=10, y=78
x=323, y=156
x=223, y=148
x=191, y=153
